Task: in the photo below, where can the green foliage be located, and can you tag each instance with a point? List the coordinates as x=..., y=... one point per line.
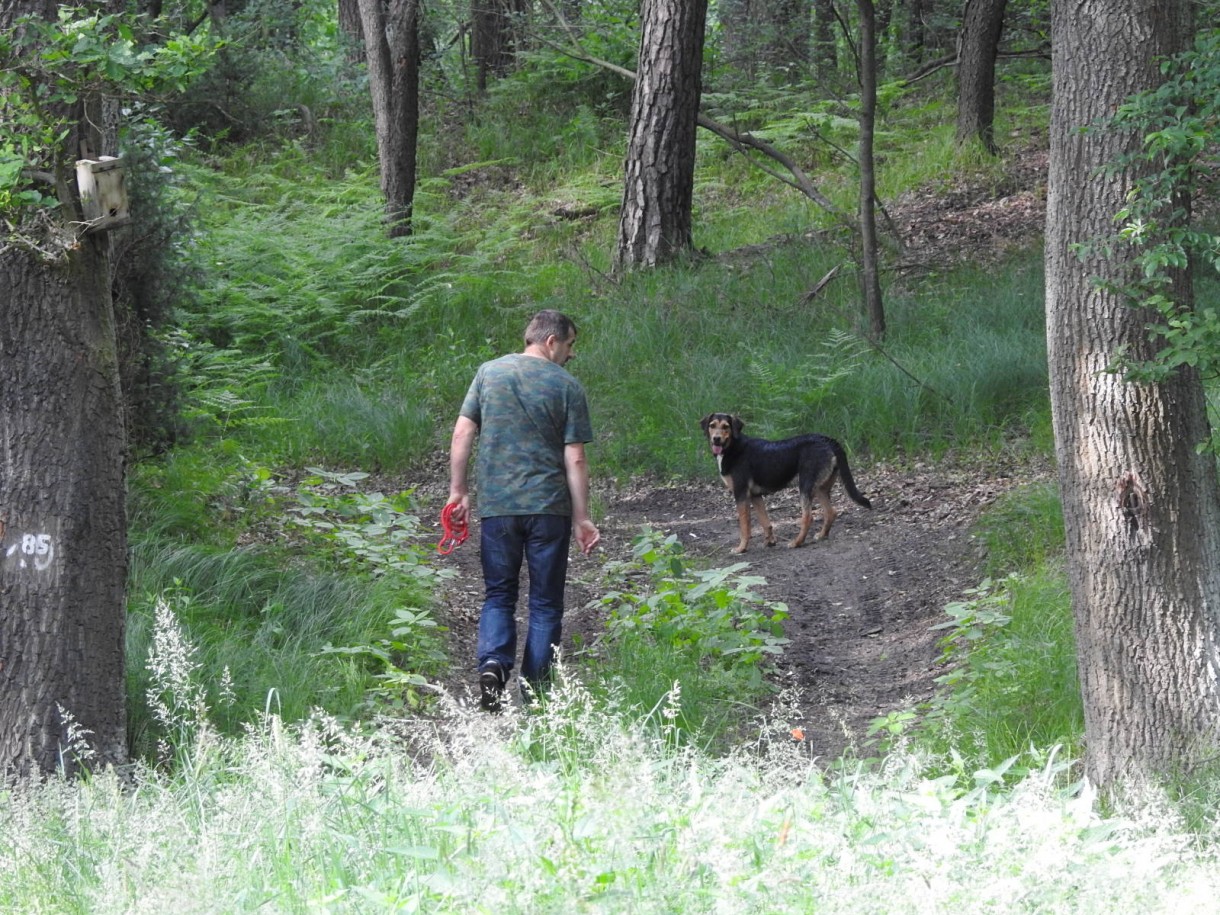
x=414, y=647
x=282, y=79
x=788, y=393
x=1023, y=530
x=1178, y=123
x=266, y=577
x=707, y=630
x=48, y=66
x=1011, y=687
x=377, y=533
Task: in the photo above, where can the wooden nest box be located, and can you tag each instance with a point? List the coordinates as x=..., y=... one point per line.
x=103, y=193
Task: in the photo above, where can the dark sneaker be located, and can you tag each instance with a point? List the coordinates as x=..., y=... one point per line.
x=491, y=685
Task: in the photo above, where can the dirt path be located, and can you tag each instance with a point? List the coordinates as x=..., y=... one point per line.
x=861, y=602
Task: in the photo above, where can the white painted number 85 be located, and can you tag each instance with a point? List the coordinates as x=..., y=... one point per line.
x=37, y=546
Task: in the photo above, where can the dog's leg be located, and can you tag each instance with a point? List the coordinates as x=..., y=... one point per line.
x=743, y=525
x=828, y=510
x=764, y=520
x=807, y=519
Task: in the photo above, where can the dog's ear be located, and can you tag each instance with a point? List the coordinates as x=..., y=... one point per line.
x=737, y=424
x=706, y=421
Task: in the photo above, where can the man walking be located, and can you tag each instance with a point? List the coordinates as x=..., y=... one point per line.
x=531, y=419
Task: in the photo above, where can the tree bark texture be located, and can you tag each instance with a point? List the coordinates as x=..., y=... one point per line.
x=352, y=28
x=655, y=219
x=870, y=274
x=63, y=523
x=978, y=44
x=63, y=547
x=391, y=34
x=1141, y=506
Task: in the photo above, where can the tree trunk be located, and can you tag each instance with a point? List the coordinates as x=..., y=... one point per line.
x=1141, y=506
x=391, y=32
x=352, y=29
x=826, y=55
x=978, y=44
x=655, y=220
x=492, y=37
x=63, y=523
x=915, y=35
x=870, y=274
x=63, y=531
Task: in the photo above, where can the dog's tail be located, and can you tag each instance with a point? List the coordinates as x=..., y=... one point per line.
x=845, y=475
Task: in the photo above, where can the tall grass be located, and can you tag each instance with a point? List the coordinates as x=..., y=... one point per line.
x=1011, y=688
x=572, y=809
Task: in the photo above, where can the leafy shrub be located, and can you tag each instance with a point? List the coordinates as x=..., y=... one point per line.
x=706, y=630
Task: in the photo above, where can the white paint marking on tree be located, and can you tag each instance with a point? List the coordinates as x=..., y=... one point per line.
x=37, y=550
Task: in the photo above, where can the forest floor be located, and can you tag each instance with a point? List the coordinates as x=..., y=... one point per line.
x=862, y=602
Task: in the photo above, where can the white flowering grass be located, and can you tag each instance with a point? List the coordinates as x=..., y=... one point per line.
x=567, y=809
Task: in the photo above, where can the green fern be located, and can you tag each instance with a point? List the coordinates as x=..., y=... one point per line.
x=790, y=395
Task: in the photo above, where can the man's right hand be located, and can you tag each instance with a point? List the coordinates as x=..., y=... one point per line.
x=587, y=535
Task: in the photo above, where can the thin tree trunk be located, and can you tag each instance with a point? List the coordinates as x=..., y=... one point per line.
x=826, y=55
x=391, y=33
x=870, y=274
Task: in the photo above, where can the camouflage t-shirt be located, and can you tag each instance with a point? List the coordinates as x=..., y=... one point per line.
x=527, y=409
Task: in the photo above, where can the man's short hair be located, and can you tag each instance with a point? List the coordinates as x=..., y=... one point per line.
x=548, y=322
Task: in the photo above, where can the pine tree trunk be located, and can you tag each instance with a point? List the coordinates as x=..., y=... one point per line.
x=1141, y=505
x=982, y=24
x=655, y=219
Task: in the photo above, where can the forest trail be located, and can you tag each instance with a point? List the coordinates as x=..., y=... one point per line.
x=861, y=603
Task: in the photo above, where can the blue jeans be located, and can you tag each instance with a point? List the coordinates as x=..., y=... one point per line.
x=543, y=541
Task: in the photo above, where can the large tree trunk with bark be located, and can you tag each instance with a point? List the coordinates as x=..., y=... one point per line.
x=655, y=219
x=1141, y=505
x=978, y=44
x=391, y=36
x=63, y=523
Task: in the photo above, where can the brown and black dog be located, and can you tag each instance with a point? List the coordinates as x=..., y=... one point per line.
x=755, y=467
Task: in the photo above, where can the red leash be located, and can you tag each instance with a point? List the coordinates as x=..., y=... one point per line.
x=454, y=534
